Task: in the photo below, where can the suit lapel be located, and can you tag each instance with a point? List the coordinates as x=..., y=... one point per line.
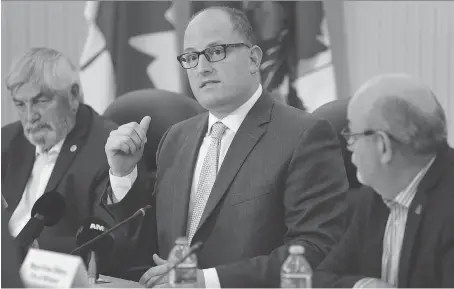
x=71, y=147
x=184, y=174
x=416, y=212
x=249, y=133
x=20, y=164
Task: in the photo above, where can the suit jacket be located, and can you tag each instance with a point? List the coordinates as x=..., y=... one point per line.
x=282, y=181
x=10, y=258
x=80, y=167
x=427, y=256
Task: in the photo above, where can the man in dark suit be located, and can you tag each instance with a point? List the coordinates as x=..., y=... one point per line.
x=402, y=234
x=247, y=178
x=58, y=145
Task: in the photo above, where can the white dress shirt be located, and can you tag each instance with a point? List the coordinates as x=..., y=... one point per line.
x=35, y=187
x=395, y=231
x=233, y=122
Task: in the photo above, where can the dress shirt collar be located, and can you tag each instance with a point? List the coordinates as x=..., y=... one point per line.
x=233, y=120
x=405, y=197
x=55, y=150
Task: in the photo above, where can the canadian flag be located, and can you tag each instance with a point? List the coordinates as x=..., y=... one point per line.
x=130, y=45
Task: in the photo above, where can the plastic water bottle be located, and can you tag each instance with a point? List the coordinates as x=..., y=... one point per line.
x=296, y=272
x=185, y=274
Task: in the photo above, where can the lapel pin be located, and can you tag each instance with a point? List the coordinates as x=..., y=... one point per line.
x=73, y=148
x=418, y=209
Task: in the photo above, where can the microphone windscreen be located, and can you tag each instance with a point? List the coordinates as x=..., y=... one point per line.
x=51, y=206
x=90, y=229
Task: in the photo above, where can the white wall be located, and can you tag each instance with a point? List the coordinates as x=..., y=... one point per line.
x=404, y=36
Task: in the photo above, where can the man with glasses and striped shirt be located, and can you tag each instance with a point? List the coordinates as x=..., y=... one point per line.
x=402, y=234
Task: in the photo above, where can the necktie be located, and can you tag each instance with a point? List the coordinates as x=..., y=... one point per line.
x=207, y=177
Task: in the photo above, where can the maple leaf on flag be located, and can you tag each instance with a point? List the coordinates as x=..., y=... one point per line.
x=139, y=38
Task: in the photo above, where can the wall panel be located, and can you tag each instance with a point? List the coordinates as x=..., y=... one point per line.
x=415, y=37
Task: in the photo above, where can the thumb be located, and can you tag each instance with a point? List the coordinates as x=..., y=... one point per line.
x=145, y=123
x=158, y=260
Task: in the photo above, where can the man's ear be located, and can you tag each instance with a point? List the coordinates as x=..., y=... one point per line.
x=74, y=96
x=75, y=90
x=255, y=57
x=385, y=147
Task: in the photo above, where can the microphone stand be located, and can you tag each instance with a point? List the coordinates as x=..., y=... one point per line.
x=192, y=250
x=140, y=212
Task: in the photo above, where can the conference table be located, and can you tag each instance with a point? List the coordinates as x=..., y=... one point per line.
x=112, y=282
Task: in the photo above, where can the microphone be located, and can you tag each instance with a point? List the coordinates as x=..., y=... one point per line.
x=92, y=228
x=140, y=212
x=194, y=249
x=47, y=211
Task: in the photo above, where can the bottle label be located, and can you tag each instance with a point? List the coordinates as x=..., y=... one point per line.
x=186, y=276
x=296, y=281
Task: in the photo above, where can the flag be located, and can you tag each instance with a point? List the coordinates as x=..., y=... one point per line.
x=314, y=79
x=296, y=66
x=131, y=45
x=272, y=24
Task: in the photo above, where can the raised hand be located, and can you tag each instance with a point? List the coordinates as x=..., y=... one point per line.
x=125, y=145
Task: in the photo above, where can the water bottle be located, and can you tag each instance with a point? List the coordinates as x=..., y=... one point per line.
x=296, y=272
x=185, y=274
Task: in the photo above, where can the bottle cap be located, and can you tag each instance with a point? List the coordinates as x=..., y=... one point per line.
x=181, y=241
x=296, y=249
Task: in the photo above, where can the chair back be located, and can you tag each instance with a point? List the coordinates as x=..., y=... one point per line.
x=165, y=109
x=336, y=113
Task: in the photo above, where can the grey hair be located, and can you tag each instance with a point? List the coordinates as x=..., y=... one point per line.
x=239, y=22
x=423, y=132
x=47, y=68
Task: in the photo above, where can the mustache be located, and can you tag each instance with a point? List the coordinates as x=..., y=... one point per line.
x=33, y=128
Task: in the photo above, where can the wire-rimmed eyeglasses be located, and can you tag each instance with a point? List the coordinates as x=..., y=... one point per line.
x=213, y=54
x=351, y=137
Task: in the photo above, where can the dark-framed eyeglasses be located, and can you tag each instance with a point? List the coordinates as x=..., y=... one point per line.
x=213, y=54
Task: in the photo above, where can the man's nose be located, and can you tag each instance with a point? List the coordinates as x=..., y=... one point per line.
x=204, y=66
x=31, y=114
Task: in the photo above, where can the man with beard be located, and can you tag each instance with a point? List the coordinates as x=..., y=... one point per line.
x=58, y=145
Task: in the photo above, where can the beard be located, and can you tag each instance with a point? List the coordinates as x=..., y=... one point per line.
x=46, y=135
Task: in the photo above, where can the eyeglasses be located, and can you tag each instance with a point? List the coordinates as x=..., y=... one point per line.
x=213, y=54
x=353, y=137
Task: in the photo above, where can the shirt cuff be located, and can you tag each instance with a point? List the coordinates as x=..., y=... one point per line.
x=211, y=278
x=121, y=185
x=362, y=283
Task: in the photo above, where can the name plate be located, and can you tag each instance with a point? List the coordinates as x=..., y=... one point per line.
x=48, y=269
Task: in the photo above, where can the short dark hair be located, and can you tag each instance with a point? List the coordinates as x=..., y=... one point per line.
x=239, y=22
